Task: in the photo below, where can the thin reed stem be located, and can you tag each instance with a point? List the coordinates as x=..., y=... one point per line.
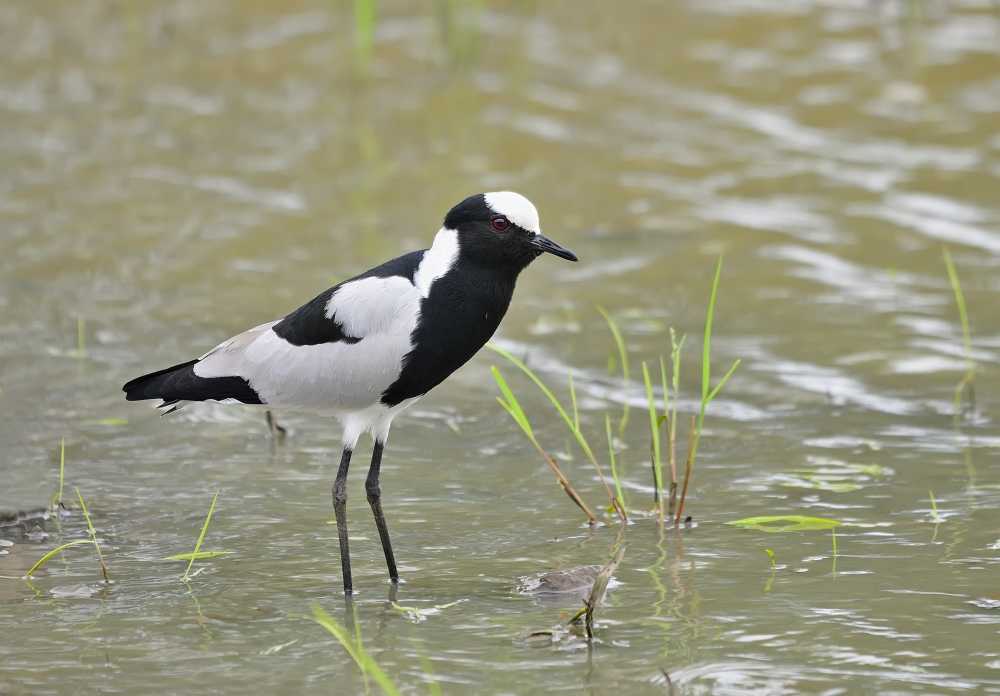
x=689, y=465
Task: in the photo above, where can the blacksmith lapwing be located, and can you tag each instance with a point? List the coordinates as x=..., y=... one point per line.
x=370, y=346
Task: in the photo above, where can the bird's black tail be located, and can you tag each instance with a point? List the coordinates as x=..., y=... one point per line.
x=166, y=384
x=180, y=383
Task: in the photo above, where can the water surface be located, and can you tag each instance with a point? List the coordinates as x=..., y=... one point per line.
x=175, y=173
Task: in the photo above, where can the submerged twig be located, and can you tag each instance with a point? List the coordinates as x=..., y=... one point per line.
x=597, y=592
x=568, y=487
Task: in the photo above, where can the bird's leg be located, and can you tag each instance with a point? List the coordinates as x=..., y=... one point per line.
x=340, y=509
x=375, y=500
x=278, y=431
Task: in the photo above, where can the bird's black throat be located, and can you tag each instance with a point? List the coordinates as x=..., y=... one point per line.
x=457, y=318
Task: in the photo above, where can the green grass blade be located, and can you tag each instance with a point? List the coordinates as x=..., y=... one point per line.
x=337, y=631
x=62, y=472
x=62, y=467
x=707, y=393
x=577, y=433
x=833, y=535
x=201, y=538
x=572, y=399
x=616, y=334
x=718, y=387
x=361, y=658
x=364, y=29
x=676, y=347
x=963, y=316
x=935, y=515
x=196, y=555
x=664, y=385
x=433, y=686
x=93, y=534
x=675, y=359
x=81, y=337
x=511, y=404
x=786, y=523
x=706, y=349
x=654, y=431
x=619, y=342
x=359, y=647
x=506, y=407
x=612, y=459
x=966, y=383
x=510, y=411
x=53, y=553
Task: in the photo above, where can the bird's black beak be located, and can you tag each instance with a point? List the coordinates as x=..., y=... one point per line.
x=543, y=243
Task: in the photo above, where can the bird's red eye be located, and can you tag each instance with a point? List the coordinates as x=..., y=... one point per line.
x=499, y=223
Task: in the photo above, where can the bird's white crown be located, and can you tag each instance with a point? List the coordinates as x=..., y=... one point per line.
x=515, y=208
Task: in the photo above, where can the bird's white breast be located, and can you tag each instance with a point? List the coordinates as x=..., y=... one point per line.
x=437, y=260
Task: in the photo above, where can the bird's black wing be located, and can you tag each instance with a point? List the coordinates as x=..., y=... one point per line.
x=309, y=325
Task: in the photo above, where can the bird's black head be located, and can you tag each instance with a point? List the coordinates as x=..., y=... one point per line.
x=501, y=229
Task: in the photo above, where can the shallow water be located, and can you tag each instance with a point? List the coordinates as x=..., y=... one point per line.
x=176, y=173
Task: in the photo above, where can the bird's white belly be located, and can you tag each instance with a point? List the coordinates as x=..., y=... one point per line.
x=342, y=376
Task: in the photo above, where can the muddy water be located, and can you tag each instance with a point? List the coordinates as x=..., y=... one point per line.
x=174, y=173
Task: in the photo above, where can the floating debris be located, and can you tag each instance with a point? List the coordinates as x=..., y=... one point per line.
x=573, y=581
x=24, y=518
x=833, y=475
x=598, y=590
x=419, y=614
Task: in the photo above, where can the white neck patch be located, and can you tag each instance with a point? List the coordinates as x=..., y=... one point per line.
x=515, y=208
x=437, y=260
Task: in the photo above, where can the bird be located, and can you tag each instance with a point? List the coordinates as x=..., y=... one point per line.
x=369, y=347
